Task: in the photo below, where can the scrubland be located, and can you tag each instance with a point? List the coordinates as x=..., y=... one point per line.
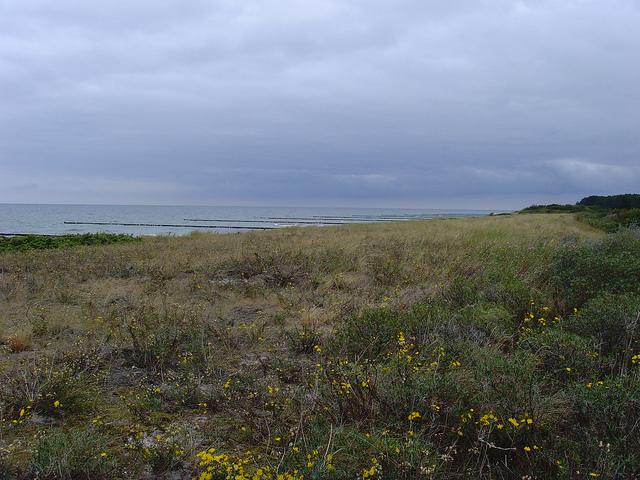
x=495, y=347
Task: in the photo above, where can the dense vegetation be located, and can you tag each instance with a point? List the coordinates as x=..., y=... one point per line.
x=41, y=242
x=610, y=220
x=608, y=213
x=553, y=208
x=627, y=200
x=498, y=347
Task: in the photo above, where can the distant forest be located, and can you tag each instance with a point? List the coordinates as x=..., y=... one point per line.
x=627, y=200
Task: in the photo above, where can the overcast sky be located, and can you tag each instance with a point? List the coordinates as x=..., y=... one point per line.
x=469, y=103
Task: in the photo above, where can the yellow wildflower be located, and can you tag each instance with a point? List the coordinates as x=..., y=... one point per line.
x=414, y=415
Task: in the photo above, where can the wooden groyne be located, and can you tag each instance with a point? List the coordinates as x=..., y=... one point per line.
x=171, y=225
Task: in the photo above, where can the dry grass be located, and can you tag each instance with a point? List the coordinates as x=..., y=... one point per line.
x=329, y=268
x=169, y=345
x=18, y=342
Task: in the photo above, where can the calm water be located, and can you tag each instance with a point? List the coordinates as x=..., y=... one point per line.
x=180, y=220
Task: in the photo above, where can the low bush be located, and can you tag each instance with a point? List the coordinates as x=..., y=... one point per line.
x=7, y=471
x=160, y=338
x=277, y=269
x=610, y=220
x=612, y=321
x=609, y=265
x=44, y=242
x=602, y=432
x=82, y=453
x=50, y=386
x=371, y=332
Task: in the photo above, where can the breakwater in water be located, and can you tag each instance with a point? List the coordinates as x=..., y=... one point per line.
x=180, y=220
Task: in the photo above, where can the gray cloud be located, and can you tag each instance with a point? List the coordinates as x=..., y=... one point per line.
x=471, y=103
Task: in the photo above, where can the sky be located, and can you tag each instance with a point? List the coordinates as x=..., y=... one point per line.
x=403, y=103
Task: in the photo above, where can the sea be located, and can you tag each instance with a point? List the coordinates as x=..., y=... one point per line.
x=20, y=219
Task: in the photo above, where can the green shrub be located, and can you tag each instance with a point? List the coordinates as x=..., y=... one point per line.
x=36, y=387
x=609, y=265
x=303, y=340
x=371, y=332
x=43, y=242
x=158, y=339
x=385, y=263
x=610, y=220
x=495, y=321
x=336, y=260
x=7, y=471
x=603, y=431
x=493, y=379
x=508, y=291
x=497, y=284
x=557, y=350
x=402, y=391
x=351, y=450
x=462, y=291
x=552, y=208
x=613, y=321
x=76, y=454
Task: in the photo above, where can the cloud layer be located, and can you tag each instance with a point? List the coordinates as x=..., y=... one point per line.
x=355, y=102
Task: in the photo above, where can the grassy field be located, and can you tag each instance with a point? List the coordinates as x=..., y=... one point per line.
x=495, y=347
x=604, y=213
